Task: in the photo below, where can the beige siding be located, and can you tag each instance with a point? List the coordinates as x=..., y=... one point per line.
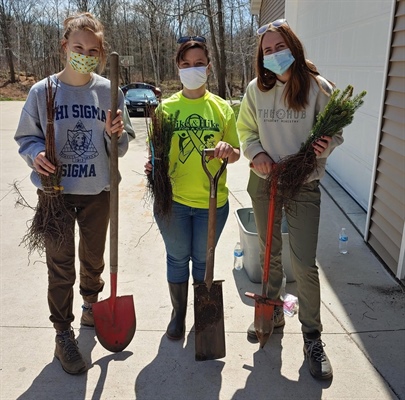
x=271, y=10
x=388, y=206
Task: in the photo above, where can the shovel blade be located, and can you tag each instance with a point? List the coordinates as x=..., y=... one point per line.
x=264, y=323
x=264, y=316
x=114, y=322
x=209, y=322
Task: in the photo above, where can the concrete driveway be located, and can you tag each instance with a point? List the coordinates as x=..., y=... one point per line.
x=362, y=310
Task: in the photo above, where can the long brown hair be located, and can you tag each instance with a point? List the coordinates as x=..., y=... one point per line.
x=86, y=22
x=297, y=88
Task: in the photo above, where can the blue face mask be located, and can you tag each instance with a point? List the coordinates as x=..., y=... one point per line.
x=278, y=62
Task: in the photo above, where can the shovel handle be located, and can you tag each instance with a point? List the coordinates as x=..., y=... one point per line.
x=114, y=169
x=212, y=215
x=269, y=236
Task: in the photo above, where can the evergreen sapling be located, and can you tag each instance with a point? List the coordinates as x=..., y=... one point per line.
x=292, y=171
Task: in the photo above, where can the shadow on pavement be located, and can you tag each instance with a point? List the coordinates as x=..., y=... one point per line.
x=266, y=377
x=54, y=383
x=172, y=372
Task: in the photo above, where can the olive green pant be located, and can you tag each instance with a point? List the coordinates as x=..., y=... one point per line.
x=92, y=215
x=302, y=215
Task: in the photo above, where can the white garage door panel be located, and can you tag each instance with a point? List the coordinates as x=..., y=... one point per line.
x=335, y=37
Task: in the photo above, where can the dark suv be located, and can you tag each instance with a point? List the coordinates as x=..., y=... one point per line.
x=140, y=102
x=141, y=85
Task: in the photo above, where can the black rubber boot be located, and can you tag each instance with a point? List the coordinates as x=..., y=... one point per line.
x=178, y=296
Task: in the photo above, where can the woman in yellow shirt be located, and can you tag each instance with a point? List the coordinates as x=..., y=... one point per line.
x=204, y=121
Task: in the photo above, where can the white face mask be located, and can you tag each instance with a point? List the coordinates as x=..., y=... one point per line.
x=194, y=77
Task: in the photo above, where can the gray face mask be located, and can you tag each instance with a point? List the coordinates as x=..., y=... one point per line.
x=194, y=77
x=278, y=62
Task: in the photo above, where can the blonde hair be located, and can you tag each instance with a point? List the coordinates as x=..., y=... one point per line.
x=86, y=22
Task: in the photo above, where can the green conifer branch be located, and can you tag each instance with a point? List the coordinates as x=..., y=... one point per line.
x=337, y=114
x=292, y=171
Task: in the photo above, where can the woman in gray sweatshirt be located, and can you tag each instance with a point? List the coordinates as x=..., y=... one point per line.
x=83, y=129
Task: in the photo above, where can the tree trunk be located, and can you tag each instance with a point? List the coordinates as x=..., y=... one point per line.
x=222, y=77
x=5, y=30
x=219, y=57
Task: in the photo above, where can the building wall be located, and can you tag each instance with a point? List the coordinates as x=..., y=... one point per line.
x=386, y=223
x=362, y=43
x=271, y=11
x=348, y=42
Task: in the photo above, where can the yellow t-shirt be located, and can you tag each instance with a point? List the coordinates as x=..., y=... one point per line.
x=201, y=124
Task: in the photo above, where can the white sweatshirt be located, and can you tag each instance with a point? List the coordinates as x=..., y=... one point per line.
x=266, y=124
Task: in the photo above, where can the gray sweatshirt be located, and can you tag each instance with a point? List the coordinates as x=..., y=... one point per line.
x=82, y=144
x=266, y=124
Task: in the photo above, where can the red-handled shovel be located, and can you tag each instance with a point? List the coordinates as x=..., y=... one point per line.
x=114, y=318
x=264, y=307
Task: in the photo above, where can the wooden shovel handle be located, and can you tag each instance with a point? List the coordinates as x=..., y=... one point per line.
x=269, y=237
x=114, y=58
x=212, y=215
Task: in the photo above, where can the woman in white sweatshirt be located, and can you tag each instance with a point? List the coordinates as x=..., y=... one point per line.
x=276, y=116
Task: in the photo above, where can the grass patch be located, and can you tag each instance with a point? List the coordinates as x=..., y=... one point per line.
x=17, y=98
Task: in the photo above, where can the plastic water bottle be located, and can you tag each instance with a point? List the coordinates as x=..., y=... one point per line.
x=343, y=241
x=238, y=257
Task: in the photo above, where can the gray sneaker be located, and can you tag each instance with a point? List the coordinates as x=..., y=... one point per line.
x=67, y=352
x=278, y=319
x=87, y=318
x=318, y=362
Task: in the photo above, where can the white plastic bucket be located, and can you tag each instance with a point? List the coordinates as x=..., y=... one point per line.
x=250, y=245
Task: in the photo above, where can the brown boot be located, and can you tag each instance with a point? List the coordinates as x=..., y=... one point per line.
x=87, y=318
x=278, y=320
x=67, y=352
x=178, y=295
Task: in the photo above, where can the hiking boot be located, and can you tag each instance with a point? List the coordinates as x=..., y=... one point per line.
x=278, y=320
x=318, y=361
x=67, y=352
x=87, y=318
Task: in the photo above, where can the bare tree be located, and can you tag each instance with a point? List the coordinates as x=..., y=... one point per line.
x=24, y=12
x=30, y=33
x=83, y=5
x=157, y=33
x=6, y=20
x=218, y=48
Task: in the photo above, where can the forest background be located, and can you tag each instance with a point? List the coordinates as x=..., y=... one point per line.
x=143, y=32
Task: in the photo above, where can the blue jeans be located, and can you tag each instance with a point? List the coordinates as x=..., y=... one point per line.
x=185, y=235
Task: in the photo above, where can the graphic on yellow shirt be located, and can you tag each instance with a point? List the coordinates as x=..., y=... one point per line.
x=193, y=135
